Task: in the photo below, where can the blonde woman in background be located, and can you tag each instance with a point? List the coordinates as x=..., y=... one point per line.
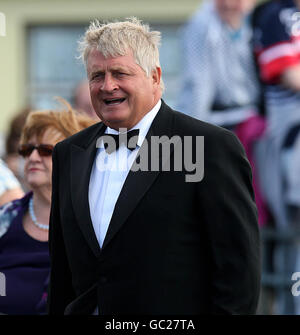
x=24, y=256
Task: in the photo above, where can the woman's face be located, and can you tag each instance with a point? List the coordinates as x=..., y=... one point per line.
x=37, y=168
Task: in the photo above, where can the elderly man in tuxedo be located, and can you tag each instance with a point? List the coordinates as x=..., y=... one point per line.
x=133, y=229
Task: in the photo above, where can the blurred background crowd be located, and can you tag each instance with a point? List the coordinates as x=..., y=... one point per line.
x=234, y=63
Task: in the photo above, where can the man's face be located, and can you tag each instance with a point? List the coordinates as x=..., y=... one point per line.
x=121, y=93
x=233, y=9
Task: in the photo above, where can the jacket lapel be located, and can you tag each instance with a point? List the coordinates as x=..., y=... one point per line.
x=138, y=182
x=82, y=158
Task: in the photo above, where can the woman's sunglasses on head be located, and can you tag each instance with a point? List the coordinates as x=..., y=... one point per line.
x=26, y=150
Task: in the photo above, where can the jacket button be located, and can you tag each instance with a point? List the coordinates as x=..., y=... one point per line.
x=103, y=279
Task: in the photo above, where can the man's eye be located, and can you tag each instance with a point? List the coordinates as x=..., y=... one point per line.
x=120, y=74
x=97, y=76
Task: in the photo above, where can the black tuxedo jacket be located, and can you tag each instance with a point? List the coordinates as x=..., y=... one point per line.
x=172, y=247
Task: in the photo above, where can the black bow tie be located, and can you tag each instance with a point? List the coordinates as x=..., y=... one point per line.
x=129, y=139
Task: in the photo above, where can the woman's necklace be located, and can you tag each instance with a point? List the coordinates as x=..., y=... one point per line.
x=33, y=217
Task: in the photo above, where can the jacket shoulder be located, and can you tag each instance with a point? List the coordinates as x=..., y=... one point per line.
x=186, y=123
x=214, y=136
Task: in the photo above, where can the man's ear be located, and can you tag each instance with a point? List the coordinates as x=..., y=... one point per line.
x=156, y=76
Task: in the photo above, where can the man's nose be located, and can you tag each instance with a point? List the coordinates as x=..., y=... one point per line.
x=109, y=83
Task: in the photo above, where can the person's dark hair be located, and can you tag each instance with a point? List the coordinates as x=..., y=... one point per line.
x=14, y=131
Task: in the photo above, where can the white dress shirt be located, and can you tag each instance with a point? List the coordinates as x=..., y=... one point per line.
x=109, y=173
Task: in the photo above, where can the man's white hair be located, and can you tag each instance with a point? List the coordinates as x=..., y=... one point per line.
x=115, y=39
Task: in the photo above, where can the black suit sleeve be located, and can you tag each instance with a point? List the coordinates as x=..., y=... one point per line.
x=60, y=287
x=232, y=227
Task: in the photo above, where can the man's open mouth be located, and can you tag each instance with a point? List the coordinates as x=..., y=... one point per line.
x=111, y=102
